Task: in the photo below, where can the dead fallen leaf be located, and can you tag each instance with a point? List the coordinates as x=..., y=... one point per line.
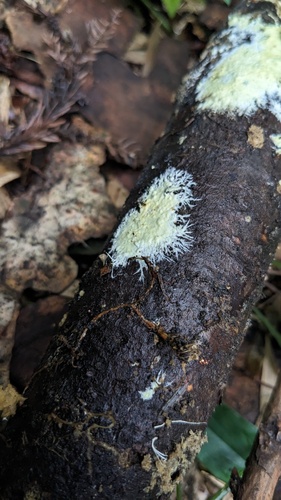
x=132, y=109
x=5, y=99
x=9, y=171
x=117, y=192
x=31, y=343
x=79, y=14
x=268, y=376
x=27, y=35
x=47, y=6
x=66, y=205
x=9, y=400
x=70, y=204
x=5, y=202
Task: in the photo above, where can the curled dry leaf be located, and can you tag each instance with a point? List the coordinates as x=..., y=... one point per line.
x=5, y=99
x=5, y=202
x=47, y=6
x=68, y=205
x=8, y=171
x=117, y=192
x=27, y=35
x=9, y=400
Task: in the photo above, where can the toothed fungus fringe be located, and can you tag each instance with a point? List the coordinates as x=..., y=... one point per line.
x=157, y=229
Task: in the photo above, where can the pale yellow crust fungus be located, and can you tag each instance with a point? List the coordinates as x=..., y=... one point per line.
x=177, y=463
x=247, y=74
x=157, y=229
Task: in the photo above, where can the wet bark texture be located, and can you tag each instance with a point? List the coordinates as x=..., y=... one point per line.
x=86, y=430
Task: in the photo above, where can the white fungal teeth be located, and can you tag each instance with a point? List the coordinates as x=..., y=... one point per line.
x=159, y=454
x=155, y=229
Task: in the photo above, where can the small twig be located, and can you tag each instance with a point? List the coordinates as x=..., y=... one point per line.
x=264, y=464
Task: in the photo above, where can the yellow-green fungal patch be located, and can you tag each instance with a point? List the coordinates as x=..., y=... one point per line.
x=149, y=392
x=247, y=75
x=166, y=473
x=276, y=139
x=156, y=229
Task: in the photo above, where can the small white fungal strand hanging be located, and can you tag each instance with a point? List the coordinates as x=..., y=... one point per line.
x=155, y=229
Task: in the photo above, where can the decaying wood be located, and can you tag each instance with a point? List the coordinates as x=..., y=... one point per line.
x=118, y=407
x=264, y=464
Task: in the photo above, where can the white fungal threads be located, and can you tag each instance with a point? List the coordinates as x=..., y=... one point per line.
x=247, y=75
x=159, y=454
x=155, y=229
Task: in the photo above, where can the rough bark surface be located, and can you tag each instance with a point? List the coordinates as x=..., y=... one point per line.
x=86, y=429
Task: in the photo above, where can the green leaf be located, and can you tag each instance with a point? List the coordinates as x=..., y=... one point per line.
x=276, y=264
x=161, y=18
x=228, y=2
x=179, y=492
x=268, y=325
x=171, y=7
x=230, y=439
x=220, y=494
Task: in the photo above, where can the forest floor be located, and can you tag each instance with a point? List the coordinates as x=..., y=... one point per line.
x=86, y=89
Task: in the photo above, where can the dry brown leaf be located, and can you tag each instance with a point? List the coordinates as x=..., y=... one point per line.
x=82, y=13
x=136, y=52
x=5, y=99
x=132, y=110
x=8, y=171
x=117, y=192
x=47, y=6
x=70, y=204
x=28, y=35
x=268, y=376
x=135, y=113
x=5, y=202
x=9, y=400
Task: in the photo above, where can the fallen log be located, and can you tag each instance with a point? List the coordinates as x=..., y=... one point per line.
x=119, y=405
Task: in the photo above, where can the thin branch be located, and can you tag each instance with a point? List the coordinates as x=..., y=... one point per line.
x=264, y=464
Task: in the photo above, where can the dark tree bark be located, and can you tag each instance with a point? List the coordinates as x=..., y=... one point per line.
x=109, y=413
